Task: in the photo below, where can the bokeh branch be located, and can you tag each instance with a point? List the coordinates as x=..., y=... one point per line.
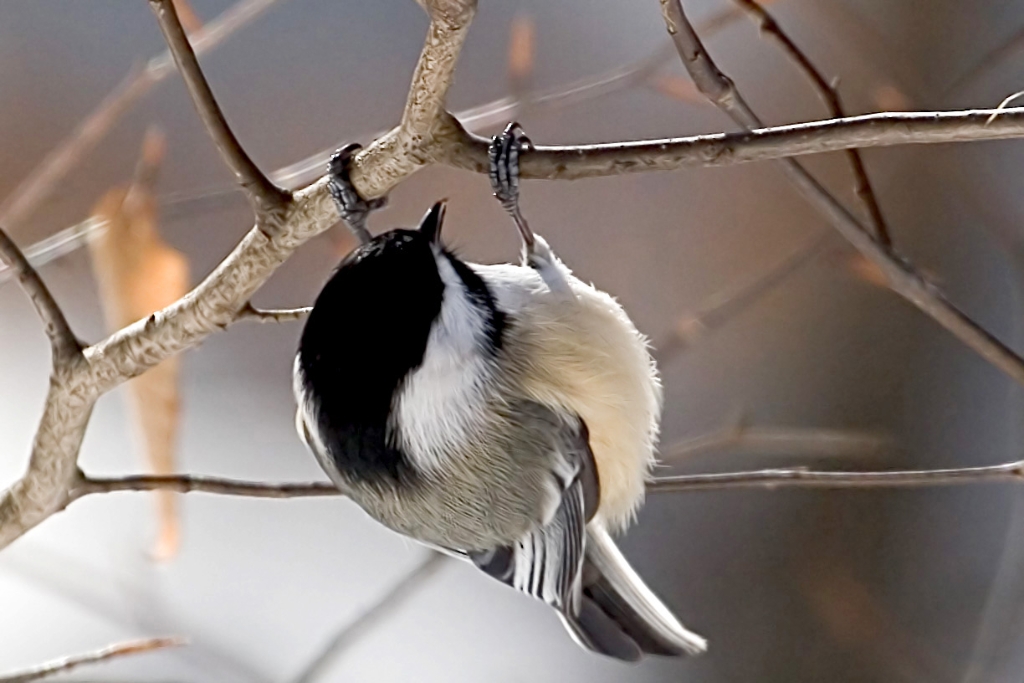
x=388, y=604
x=67, y=664
x=45, y=178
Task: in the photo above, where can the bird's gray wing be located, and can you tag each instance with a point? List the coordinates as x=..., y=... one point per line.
x=547, y=562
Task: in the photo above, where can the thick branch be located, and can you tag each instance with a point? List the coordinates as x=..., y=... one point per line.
x=830, y=96
x=573, y=162
x=66, y=664
x=267, y=198
x=778, y=478
x=63, y=342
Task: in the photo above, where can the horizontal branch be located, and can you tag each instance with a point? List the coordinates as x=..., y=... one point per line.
x=802, y=478
x=66, y=664
x=201, y=484
x=770, y=478
x=888, y=129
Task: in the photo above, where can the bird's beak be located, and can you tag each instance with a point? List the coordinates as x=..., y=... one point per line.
x=432, y=221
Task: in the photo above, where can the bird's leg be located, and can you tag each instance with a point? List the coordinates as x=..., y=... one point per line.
x=354, y=209
x=503, y=155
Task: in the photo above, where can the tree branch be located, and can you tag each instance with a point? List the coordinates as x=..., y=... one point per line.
x=63, y=343
x=830, y=97
x=1012, y=472
x=267, y=198
x=887, y=129
x=200, y=484
x=66, y=664
x=801, y=478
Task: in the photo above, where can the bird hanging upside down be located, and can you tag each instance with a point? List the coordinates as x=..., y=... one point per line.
x=505, y=414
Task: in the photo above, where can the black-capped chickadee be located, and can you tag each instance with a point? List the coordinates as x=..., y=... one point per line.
x=503, y=413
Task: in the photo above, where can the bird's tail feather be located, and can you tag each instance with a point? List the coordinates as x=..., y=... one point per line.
x=618, y=615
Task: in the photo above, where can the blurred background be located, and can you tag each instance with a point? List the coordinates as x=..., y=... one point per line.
x=777, y=346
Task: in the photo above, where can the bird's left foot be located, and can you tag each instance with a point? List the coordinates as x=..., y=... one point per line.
x=353, y=208
x=503, y=155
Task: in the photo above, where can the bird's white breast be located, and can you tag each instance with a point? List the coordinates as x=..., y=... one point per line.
x=440, y=405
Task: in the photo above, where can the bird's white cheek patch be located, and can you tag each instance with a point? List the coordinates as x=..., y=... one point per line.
x=439, y=406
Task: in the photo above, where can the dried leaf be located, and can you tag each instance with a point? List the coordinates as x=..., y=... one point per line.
x=865, y=270
x=890, y=98
x=678, y=88
x=521, y=50
x=137, y=274
x=187, y=16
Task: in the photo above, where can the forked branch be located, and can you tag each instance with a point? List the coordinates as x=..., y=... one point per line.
x=830, y=97
x=901, y=276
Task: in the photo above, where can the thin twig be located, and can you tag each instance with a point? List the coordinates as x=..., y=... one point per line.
x=792, y=442
x=902, y=277
x=250, y=312
x=44, y=179
x=387, y=605
x=66, y=664
x=267, y=198
x=63, y=341
x=829, y=95
x=200, y=484
x=1012, y=473
x=725, y=306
